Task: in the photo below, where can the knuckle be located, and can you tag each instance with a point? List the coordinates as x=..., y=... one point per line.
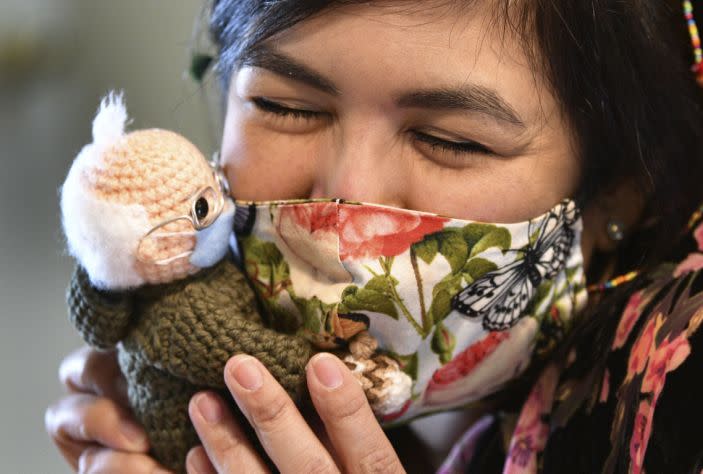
x=270, y=414
x=380, y=461
x=348, y=408
x=232, y=457
x=316, y=464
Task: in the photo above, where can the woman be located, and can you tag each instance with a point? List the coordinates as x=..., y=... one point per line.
x=484, y=110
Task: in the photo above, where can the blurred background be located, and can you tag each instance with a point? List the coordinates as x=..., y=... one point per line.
x=57, y=58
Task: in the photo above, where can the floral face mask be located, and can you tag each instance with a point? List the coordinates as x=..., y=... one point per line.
x=461, y=306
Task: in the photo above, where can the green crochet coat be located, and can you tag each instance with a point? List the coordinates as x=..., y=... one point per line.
x=174, y=340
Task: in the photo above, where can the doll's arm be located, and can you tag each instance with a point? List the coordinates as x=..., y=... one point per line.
x=214, y=318
x=199, y=350
x=101, y=317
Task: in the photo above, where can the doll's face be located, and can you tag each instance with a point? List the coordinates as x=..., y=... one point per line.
x=432, y=109
x=185, y=198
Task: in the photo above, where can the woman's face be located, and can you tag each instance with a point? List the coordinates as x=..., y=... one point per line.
x=426, y=108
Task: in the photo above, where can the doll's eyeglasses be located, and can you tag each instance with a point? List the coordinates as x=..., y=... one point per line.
x=206, y=206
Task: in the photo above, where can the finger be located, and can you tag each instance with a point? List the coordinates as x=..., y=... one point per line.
x=227, y=447
x=92, y=371
x=284, y=434
x=77, y=421
x=104, y=460
x=197, y=462
x=355, y=433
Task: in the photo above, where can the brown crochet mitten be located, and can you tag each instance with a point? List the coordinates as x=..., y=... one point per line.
x=386, y=386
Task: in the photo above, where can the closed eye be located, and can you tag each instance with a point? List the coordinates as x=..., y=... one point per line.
x=457, y=147
x=281, y=110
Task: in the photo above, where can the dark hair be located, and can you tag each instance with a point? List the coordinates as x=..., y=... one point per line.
x=621, y=72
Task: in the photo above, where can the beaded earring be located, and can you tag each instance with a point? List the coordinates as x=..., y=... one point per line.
x=697, y=66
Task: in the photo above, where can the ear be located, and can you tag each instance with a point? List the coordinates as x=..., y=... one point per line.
x=624, y=202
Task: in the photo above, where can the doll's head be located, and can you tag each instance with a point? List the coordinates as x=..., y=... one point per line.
x=136, y=205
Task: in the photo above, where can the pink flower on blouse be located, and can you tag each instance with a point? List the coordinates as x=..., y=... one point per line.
x=629, y=317
x=695, y=260
x=605, y=387
x=640, y=436
x=690, y=264
x=641, y=348
x=665, y=358
x=373, y=232
x=530, y=435
x=698, y=235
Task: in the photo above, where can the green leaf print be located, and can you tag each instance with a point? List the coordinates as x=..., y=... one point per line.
x=266, y=265
x=443, y=343
x=453, y=247
x=449, y=242
x=476, y=268
x=313, y=311
x=480, y=237
x=375, y=296
x=442, y=295
x=427, y=248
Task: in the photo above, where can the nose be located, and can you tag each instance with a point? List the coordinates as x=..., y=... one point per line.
x=362, y=162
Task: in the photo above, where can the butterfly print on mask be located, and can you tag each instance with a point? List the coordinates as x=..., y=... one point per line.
x=500, y=297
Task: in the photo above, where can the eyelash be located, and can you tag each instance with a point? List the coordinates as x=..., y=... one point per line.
x=464, y=147
x=275, y=108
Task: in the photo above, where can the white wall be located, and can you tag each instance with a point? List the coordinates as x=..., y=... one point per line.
x=57, y=57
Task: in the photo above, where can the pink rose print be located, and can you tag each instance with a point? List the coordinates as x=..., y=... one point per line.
x=310, y=233
x=640, y=436
x=465, y=362
x=366, y=233
x=665, y=358
x=483, y=366
x=629, y=317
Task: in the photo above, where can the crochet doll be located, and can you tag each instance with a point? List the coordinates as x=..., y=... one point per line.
x=149, y=222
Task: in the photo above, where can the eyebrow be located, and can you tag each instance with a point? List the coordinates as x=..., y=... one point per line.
x=264, y=56
x=473, y=98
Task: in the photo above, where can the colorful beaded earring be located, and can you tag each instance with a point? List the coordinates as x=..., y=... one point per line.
x=697, y=66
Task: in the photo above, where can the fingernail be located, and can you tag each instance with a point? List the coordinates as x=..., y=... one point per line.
x=327, y=371
x=196, y=463
x=247, y=374
x=134, y=434
x=209, y=408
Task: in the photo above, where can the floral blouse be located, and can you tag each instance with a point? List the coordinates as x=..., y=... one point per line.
x=642, y=411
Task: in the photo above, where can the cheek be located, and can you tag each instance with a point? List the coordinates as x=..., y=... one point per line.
x=263, y=165
x=512, y=190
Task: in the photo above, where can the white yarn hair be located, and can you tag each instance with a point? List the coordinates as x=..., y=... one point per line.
x=102, y=236
x=110, y=121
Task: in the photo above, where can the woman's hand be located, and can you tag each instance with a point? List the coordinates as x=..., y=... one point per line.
x=356, y=442
x=93, y=426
